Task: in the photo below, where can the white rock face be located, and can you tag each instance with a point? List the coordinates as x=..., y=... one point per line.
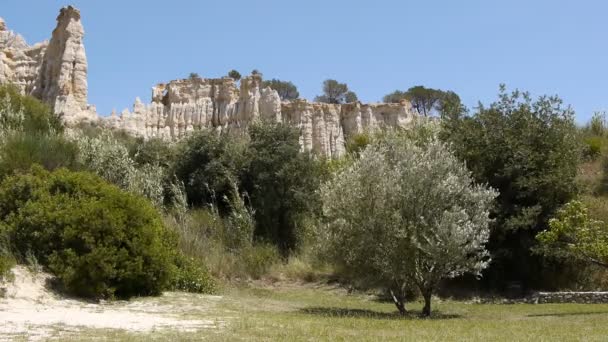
x=183, y=106
x=56, y=72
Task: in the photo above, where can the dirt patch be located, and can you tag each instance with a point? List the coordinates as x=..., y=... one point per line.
x=30, y=308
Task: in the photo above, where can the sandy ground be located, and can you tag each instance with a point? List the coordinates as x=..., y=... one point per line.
x=30, y=308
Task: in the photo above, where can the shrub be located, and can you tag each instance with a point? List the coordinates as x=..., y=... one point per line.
x=106, y=156
x=19, y=151
x=99, y=241
x=7, y=261
x=26, y=113
x=358, y=142
x=593, y=147
x=258, y=259
x=191, y=276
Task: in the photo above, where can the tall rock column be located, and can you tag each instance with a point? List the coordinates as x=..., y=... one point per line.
x=62, y=80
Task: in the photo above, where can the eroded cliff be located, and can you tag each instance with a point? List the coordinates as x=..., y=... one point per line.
x=56, y=72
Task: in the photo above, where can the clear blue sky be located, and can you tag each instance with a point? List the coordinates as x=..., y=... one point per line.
x=546, y=47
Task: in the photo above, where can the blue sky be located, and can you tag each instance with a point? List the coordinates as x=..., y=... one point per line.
x=470, y=47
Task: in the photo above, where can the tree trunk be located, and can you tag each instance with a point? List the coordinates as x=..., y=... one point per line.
x=426, y=310
x=399, y=300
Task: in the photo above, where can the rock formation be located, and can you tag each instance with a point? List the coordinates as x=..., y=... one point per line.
x=56, y=72
x=183, y=106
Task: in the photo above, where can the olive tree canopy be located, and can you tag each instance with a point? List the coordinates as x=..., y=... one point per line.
x=406, y=213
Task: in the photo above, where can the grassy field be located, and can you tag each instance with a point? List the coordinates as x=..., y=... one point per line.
x=307, y=313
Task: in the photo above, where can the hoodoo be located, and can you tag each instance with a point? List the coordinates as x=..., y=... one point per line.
x=56, y=73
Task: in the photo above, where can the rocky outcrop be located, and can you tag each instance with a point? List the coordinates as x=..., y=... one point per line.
x=54, y=71
x=182, y=106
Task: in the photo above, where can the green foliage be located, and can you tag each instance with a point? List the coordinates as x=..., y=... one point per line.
x=106, y=156
x=7, y=261
x=155, y=152
x=597, y=124
x=20, y=150
x=282, y=183
x=350, y=97
x=406, y=213
x=573, y=233
x=100, y=242
x=194, y=76
x=425, y=100
x=286, y=90
x=191, y=276
x=258, y=259
x=26, y=113
x=208, y=238
x=209, y=164
x=335, y=92
x=358, y=142
x=593, y=147
x=30, y=133
x=235, y=75
x=395, y=97
x=529, y=151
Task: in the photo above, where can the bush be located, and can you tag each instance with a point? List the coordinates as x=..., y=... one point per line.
x=593, y=147
x=258, y=259
x=209, y=239
x=190, y=276
x=358, y=142
x=109, y=158
x=7, y=261
x=26, y=113
x=19, y=151
x=99, y=241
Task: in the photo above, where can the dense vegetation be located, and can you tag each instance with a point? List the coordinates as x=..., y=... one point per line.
x=528, y=151
x=113, y=215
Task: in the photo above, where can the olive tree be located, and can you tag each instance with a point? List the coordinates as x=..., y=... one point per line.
x=406, y=213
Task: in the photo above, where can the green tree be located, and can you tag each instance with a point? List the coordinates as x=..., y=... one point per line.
x=286, y=90
x=235, y=75
x=282, y=182
x=573, y=234
x=426, y=101
x=350, y=97
x=335, y=92
x=395, y=97
x=528, y=151
x=209, y=165
x=406, y=213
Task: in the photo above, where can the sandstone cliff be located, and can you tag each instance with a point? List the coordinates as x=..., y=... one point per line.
x=186, y=105
x=56, y=72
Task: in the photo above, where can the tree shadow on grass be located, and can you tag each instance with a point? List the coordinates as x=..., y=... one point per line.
x=564, y=314
x=363, y=313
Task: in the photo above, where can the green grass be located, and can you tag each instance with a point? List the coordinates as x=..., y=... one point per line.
x=299, y=313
